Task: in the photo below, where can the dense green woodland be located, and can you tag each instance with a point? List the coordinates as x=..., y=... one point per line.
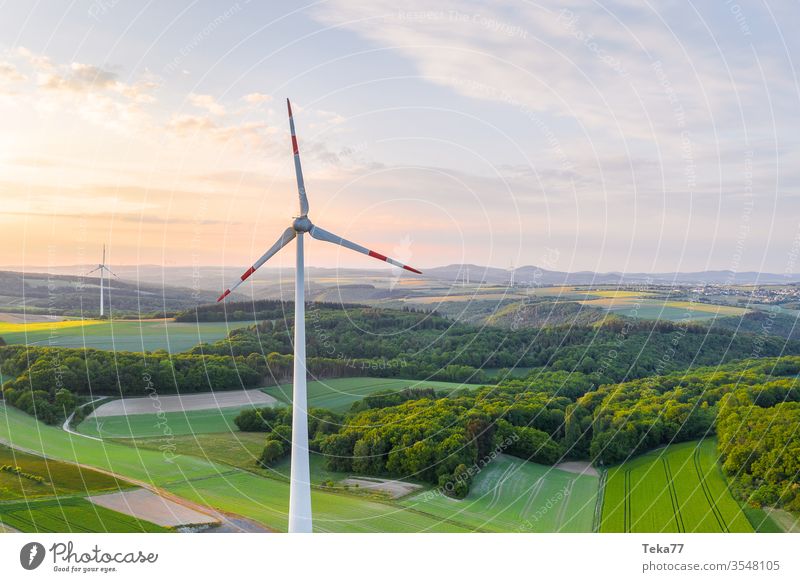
x=759, y=442
x=42, y=380
x=752, y=404
x=354, y=341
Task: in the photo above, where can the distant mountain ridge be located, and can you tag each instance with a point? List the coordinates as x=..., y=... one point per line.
x=534, y=276
x=213, y=277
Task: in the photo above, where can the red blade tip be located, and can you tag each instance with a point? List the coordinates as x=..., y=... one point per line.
x=412, y=269
x=224, y=295
x=289, y=106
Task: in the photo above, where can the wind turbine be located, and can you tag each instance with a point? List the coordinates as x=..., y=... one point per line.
x=102, y=267
x=300, y=481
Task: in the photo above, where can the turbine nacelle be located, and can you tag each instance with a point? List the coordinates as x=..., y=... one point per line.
x=302, y=224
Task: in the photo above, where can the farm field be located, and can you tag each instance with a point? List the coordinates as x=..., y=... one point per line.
x=183, y=402
x=512, y=495
x=58, y=478
x=23, y=431
x=267, y=501
x=73, y=515
x=168, y=423
x=679, y=488
x=119, y=335
x=643, y=308
x=340, y=393
x=220, y=486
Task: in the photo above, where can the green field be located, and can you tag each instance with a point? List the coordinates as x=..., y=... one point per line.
x=339, y=394
x=679, y=488
x=510, y=495
x=58, y=478
x=663, y=309
x=267, y=501
x=152, y=425
x=223, y=486
x=73, y=515
x=120, y=335
x=241, y=449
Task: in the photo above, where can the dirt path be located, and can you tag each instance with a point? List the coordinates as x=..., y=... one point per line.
x=395, y=489
x=67, y=422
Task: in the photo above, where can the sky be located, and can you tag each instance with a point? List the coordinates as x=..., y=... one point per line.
x=606, y=136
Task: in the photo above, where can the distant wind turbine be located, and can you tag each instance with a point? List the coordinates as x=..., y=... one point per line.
x=300, y=481
x=103, y=268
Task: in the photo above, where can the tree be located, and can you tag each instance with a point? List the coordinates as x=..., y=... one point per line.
x=273, y=450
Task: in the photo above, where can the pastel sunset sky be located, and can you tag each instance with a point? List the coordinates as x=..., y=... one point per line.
x=626, y=136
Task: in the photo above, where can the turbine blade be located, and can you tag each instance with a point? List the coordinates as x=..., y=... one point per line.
x=298, y=170
x=92, y=271
x=112, y=272
x=285, y=239
x=321, y=234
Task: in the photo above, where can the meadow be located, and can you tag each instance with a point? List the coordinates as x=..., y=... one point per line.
x=339, y=394
x=57, y=477
x=222, y=486
x=652, y=308
x=510, y=495
x=168, y=423
x=675, y=489
x=118, y=335
x=70, y=515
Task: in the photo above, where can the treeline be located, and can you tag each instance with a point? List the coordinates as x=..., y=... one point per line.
x=277, y=423
x=34, y=376
x=269, y=309
x=439, y=438
x=770, y=322
x=617, y=421
x=408, y=344
x=759, y=439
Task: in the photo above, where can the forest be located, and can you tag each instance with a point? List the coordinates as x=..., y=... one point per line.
x=356, y=341
x=42, y=381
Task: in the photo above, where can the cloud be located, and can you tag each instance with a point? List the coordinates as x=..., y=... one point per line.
x=9, y=72
x=38, y=62
x=257, y=98
x=191, y=123
x=208, y=103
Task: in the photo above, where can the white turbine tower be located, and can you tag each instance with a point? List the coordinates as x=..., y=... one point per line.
x=300, y=482
x=103, y=268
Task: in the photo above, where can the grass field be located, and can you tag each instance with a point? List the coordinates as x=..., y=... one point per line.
x=339, y=394
x=267, y=501
x=121, y=335
x=225, y=487
x=73, y=515
x=512, y=495
x=169, y=423
x=59, y=478
x=679, y=488
x=241, y=449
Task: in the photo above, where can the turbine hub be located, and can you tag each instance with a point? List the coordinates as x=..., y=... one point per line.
x=302, y=224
